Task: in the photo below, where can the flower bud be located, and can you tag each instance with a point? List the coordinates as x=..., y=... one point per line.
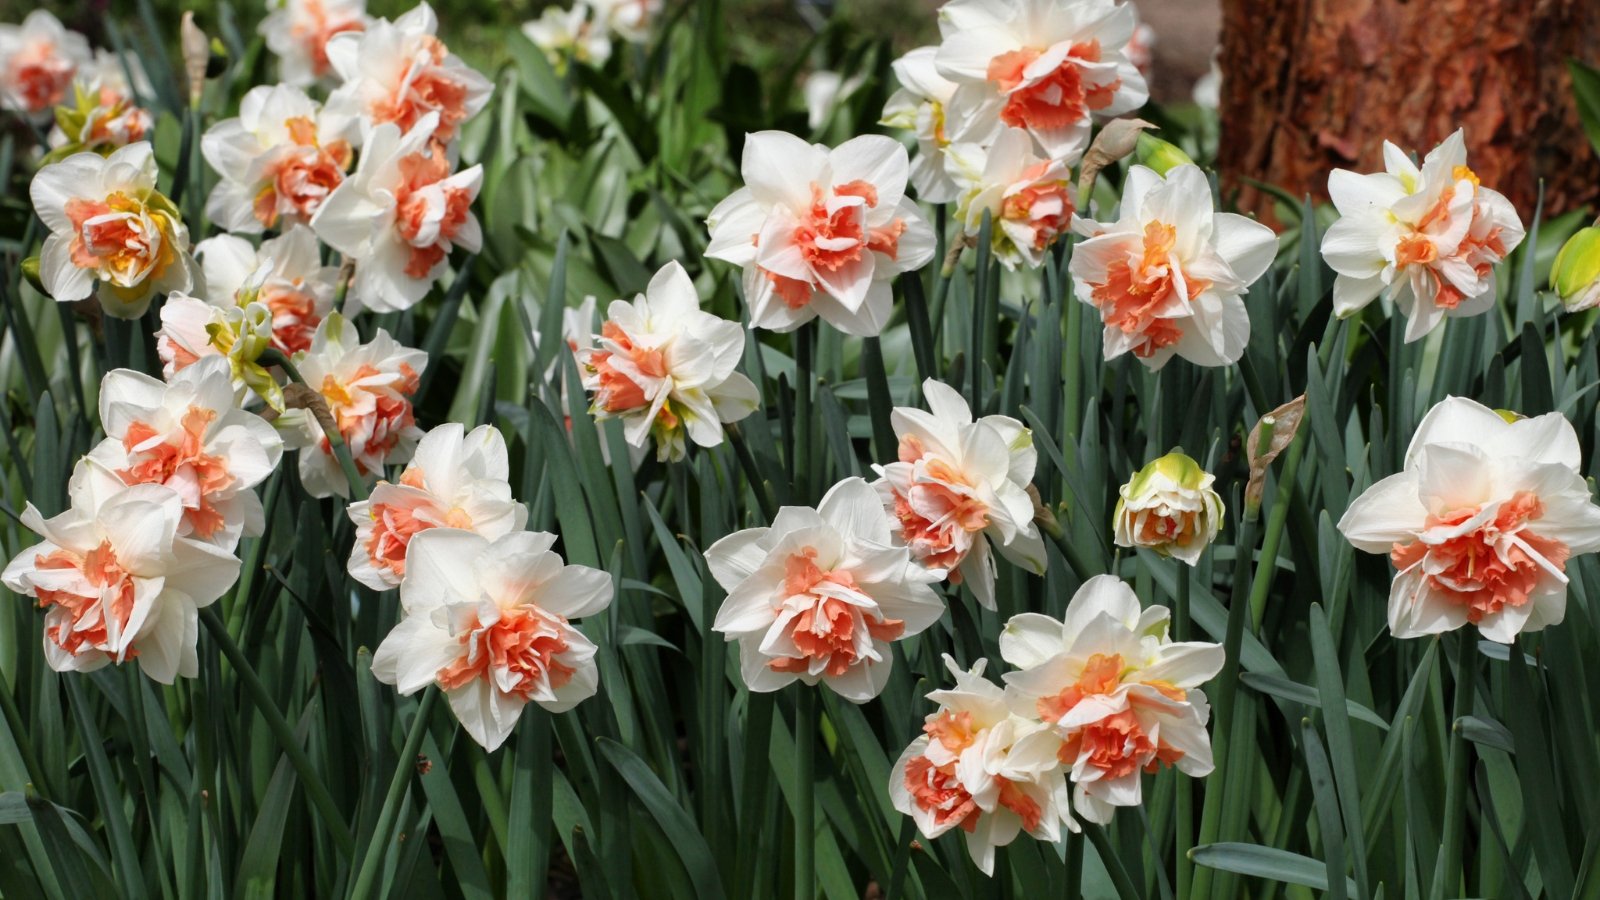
x=1169, y=507
x=1160, y=155
x=1576, y=273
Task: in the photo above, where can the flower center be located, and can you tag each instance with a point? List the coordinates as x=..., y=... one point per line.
x=619, y=390
x=826, y=629
x=1057, y=98
x=1141, y=285
x=1495, y=565
x=119, y=237
x=1046, y=208
x=371, y=418
x=1117, y=745
x=179, y=461
x=94, y=602
x=937, y=790
x=294, y=315
x=40, y=75
x=517, y=653
x=313, y=31
x=1102, y=674
x=428, y=212
x=425, y=87
x=301, y=176
x=938, y=514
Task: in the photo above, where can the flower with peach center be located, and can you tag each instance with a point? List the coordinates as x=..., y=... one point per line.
x=188, y=435
x=1480, y=523
x=1427, y=238
x=455, y=479
x=921, y=106
x=1028, y=199
x=489, y=622
x=278, y=160
x=1170, y=507
x=38, y=60
x=958, y=485
x=399, y=216
x=1048, y=67
x=103, y=113
x=1120, y=696
x=110, y=226
x=285, y=274
x=400, y=73
x=116, y=579
x=367, y=388
x=820, y=594
x=666, y=368
x=298, y=31
x=982, y=769
x=1167, y=275
x=821, y=232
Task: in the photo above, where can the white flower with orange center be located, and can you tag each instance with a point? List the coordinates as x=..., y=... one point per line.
x=188, y=435
x=1427, y=238
x=109, y=226
x=38, y=60
x=1480, y=523
x=285, y=274
x=399, y=216
x=368, y=390
x=821, y=594
x=982, y=769
x=1028, y=199
x=1167, y=274
x=279, y=160
x=455, y=479
x=103, y=111
x=821, y=232
x=399, y=73
x=115, y=578
x=1045, y=66
x=1169, y=506
x=489, y=622
x=1122, y=698
x=667, y=368
x=958, y=485
x=298, y=31
x=921, y=106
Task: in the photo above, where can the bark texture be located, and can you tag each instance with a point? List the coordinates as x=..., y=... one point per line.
x=1314, y=85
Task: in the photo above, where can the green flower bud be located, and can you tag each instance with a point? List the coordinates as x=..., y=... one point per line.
x=30, y=271
x=1160, y=155
x=1169, y=507
x=1576, y=273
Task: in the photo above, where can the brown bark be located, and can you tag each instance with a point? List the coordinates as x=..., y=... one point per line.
x=1314, y=85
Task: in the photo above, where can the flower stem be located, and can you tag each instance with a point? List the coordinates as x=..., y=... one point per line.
x=315, y=789
x=377, y=846
x=1126, y=890
x=341, y=450
x=1455, y=797
x=805, y=832
x=1183, y=806
x=752, y=473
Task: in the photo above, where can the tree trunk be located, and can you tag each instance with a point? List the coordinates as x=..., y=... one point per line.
x=1314, y=85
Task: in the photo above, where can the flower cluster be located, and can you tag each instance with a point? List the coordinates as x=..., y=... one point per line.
x=157, y=509
x=1098, y=699
x=104, y=113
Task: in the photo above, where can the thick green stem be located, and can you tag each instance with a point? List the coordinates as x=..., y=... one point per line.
x=1455, y=797
x=1120, y=879
x=805, y=831
x=1274, y=535
x=805, y=341
x=315, y=789
x=377, y=847
x=1183, y=805
x=752, y=473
